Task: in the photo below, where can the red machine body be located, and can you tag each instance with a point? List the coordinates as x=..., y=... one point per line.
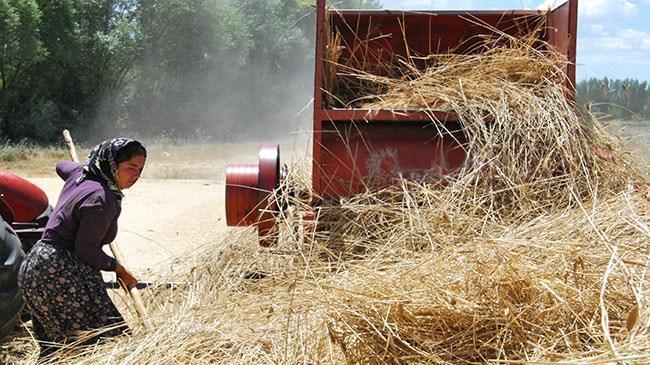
x=21, y=201
x=356, y=149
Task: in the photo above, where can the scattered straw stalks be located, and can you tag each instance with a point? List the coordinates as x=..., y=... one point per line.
x=562, y=287
x=536, y=292
x=520, y=257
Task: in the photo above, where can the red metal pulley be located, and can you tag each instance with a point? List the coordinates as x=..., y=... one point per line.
x=241, y=194
x=249, y=190
x=26, y=200
x=269, y=179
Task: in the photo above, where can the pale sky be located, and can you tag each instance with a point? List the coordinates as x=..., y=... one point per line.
x=613, y=35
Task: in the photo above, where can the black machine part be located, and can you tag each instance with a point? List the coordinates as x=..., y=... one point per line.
x=15, y=240
x=148, y=284
x=11, y=256
x=29, y=233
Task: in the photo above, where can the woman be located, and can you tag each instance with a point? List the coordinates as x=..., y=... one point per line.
x=60, y=278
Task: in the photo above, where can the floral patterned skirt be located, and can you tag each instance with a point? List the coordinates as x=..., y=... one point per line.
x=66, y=297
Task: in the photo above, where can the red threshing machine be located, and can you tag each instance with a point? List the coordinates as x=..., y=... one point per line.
x=354, y=149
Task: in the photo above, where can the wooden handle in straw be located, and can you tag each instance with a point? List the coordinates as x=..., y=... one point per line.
x=133, y=291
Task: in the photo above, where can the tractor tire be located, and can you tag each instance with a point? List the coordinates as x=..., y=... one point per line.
x=11, y=301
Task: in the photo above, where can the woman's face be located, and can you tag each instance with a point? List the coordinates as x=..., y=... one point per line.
x=128, y=172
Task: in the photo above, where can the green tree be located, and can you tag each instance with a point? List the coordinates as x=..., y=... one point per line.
x=20, y=50
x=221, y=68
x=191, y=52
x=635, y=95
x=275, y=82
x=596, y=94
x=59, y=60
x=180, y=67
x=20, y=46
x=91, y=46
x=357, y=4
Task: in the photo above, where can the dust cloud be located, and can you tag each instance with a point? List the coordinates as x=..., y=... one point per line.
x=220, y=91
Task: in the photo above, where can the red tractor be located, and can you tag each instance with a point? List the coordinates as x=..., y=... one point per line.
x=357, y=149
x=24, y=209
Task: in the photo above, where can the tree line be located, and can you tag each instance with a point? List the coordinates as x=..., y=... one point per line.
x=182, y=68
x=616, y=99
x=227, y=69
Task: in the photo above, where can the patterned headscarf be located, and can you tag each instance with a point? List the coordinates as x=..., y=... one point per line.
x=101, y=165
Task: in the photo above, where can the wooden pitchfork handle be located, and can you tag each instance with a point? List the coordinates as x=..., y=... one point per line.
x=133, y=291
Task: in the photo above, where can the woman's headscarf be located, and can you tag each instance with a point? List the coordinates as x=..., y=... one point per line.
x=101, y=165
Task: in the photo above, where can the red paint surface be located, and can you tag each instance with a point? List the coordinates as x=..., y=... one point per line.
x=26, y=200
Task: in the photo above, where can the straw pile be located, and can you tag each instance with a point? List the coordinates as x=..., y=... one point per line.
x=570, y=286
x=536, y=251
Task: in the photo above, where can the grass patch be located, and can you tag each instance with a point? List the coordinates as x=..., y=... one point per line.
x=30, y=160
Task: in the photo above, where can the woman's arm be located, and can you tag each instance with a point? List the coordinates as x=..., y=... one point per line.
x=94, y=222
x=97, y=215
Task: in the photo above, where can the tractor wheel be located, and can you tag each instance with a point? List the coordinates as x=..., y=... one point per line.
x=11, y=256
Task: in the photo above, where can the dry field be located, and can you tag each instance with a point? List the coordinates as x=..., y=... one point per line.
x=635, y=135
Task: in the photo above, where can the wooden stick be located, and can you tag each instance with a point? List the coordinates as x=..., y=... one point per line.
x=133, y=291
x=67, y=139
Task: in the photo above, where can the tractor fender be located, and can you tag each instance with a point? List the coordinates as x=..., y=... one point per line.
x=26, y=200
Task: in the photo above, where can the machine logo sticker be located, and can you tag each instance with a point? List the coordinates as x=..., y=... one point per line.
x=383, y=165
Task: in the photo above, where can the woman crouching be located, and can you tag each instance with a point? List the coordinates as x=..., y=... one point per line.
x=60, y=278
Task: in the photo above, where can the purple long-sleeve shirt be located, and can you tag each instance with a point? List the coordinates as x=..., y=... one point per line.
x=85, y=217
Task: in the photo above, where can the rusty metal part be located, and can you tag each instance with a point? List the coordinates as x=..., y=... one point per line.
x=355, y=150
x=249, y=193
x=241, y=194
x=269, y=180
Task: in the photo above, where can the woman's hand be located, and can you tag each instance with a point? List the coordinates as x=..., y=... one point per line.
x=126, y=278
